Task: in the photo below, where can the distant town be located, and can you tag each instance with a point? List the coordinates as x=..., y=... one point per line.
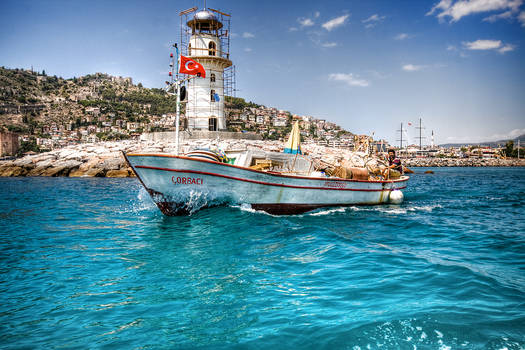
x=40, y=113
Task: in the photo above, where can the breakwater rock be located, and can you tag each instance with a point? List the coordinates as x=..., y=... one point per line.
x=105, y=159
x=462, y=162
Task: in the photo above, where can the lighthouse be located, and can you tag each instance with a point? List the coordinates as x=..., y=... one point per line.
x=206, y=40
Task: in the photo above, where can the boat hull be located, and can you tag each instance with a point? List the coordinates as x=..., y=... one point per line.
x=181, y=185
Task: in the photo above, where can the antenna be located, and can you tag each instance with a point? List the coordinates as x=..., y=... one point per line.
x=420, y=127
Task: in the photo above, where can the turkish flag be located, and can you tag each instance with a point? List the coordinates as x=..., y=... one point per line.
x=189, y=66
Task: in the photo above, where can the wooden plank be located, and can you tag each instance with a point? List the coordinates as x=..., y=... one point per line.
x=188, y=11
x=222, y=13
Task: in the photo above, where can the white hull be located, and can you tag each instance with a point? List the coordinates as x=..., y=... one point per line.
x=180, y=185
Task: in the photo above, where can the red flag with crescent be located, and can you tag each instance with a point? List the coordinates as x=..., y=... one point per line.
x=189, y=66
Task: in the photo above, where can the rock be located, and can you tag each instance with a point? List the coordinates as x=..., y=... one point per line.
x=46, y=163
x=25, y=161
x=91, y=163
x=112, y=163
x=94, y=172
x=13, y=171
x=37, y=171
x=43, y=157
x=77, y=173
x=429, y=172
x=118, y=173
x=55, y=171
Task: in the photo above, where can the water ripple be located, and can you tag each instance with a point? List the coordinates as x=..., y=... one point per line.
x=89, y=263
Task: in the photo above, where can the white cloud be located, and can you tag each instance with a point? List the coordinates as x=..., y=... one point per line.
x=305, y=22
x=507, y=136
x=494, y=18
x=317, y=14
x=402, y=36
x=373, y=20
x=349, y=78
x=248, y=35
x=293, y=29
x=442, y=5
x=489, y=45
x=329, y=45
x=462, y=8
x=248, y=49
x=521, y=18
x=483, y=44
x=451, y=48
x=336, y=22
x=506, y=48
x=412, y=67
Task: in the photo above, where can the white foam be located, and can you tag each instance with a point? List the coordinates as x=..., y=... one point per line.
x=327, y=212
x=248, y=208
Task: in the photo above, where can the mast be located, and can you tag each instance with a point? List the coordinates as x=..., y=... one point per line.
x=401, y=138
x=421, y=137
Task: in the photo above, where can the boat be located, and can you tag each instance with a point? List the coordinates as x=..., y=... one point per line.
x=277, y=183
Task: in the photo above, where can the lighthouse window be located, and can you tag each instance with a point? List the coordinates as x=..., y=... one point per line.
x=212, y=124
x=212, y=48
x=212, y=77
x=189, y=49
x=212, y=95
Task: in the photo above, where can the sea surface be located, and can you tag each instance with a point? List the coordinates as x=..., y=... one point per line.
x=92, y=263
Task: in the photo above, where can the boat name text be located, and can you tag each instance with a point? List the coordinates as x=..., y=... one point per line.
x=186, y=180
x=335, y=184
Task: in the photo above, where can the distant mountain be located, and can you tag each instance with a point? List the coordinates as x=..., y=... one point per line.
x=486, y=144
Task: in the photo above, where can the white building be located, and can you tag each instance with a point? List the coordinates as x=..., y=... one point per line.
x=204, y=110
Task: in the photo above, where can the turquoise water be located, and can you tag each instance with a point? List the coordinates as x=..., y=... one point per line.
x=91, y=263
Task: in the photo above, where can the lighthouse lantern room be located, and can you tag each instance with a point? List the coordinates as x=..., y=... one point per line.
x=205, y=38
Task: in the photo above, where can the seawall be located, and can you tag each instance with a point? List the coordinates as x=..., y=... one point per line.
x=105, y=159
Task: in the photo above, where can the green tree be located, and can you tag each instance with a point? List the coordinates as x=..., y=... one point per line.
x=26, y=146
x=509, y=148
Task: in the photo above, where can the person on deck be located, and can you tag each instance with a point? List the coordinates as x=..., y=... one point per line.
x=395, y=168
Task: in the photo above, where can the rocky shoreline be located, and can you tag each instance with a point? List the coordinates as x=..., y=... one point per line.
x=462, y=162
x=105, y=159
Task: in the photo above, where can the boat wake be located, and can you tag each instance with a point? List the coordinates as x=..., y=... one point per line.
x=395, y=209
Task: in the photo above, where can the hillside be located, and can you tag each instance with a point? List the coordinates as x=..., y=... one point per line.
x=521, y=138
x=50, y=111
x=31, y=101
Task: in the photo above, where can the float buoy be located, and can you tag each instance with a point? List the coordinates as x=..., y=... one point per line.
x=396, y=197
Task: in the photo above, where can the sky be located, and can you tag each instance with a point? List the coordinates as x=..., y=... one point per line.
x=369, y=66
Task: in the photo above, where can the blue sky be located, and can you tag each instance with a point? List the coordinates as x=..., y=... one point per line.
x=366, y=65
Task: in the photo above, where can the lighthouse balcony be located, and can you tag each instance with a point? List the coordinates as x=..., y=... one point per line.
x=211, y=60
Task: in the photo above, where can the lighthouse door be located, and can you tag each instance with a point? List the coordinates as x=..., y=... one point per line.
x=212, y=124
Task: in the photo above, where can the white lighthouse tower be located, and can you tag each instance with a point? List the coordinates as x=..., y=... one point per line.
x=205, y=40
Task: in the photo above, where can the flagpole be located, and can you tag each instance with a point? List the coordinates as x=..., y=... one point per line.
x=177, y=118
x=177, y=108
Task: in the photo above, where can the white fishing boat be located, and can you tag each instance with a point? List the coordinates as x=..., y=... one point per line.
x=278, y=183
x=289, y=184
